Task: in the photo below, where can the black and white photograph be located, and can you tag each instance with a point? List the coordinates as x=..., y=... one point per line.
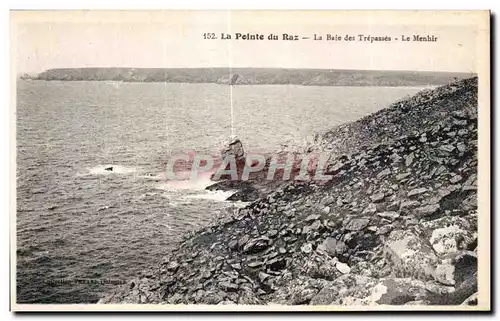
x=250, y=160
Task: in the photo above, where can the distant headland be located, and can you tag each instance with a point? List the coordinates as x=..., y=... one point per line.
x=254, y=76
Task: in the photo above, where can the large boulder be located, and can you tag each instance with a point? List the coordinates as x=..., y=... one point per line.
x=410, y=255
x=450, y=234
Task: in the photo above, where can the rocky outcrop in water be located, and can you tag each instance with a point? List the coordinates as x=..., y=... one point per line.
x=396, y=225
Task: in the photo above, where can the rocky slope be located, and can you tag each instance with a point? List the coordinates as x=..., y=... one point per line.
x=396, y=225
x=255, y=76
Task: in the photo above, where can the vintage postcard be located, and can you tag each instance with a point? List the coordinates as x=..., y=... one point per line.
x=250, y=160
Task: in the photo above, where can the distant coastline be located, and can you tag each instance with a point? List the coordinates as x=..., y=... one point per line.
x=253, y=76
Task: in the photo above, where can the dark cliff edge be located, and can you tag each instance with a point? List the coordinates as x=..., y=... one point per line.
x=396, y=225
x=254, y=76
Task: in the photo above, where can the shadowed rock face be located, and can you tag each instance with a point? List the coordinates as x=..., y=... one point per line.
x=397, y=224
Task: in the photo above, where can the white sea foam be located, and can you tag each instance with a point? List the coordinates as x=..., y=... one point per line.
x=189, y=184
x=154, y=177
x=218, y=196
x=241, y=204
x=117, y=169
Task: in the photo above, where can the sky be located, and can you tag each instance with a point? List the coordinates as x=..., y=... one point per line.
x=44, y=40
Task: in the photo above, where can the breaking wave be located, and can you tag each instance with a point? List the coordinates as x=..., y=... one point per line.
x=111, y=169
